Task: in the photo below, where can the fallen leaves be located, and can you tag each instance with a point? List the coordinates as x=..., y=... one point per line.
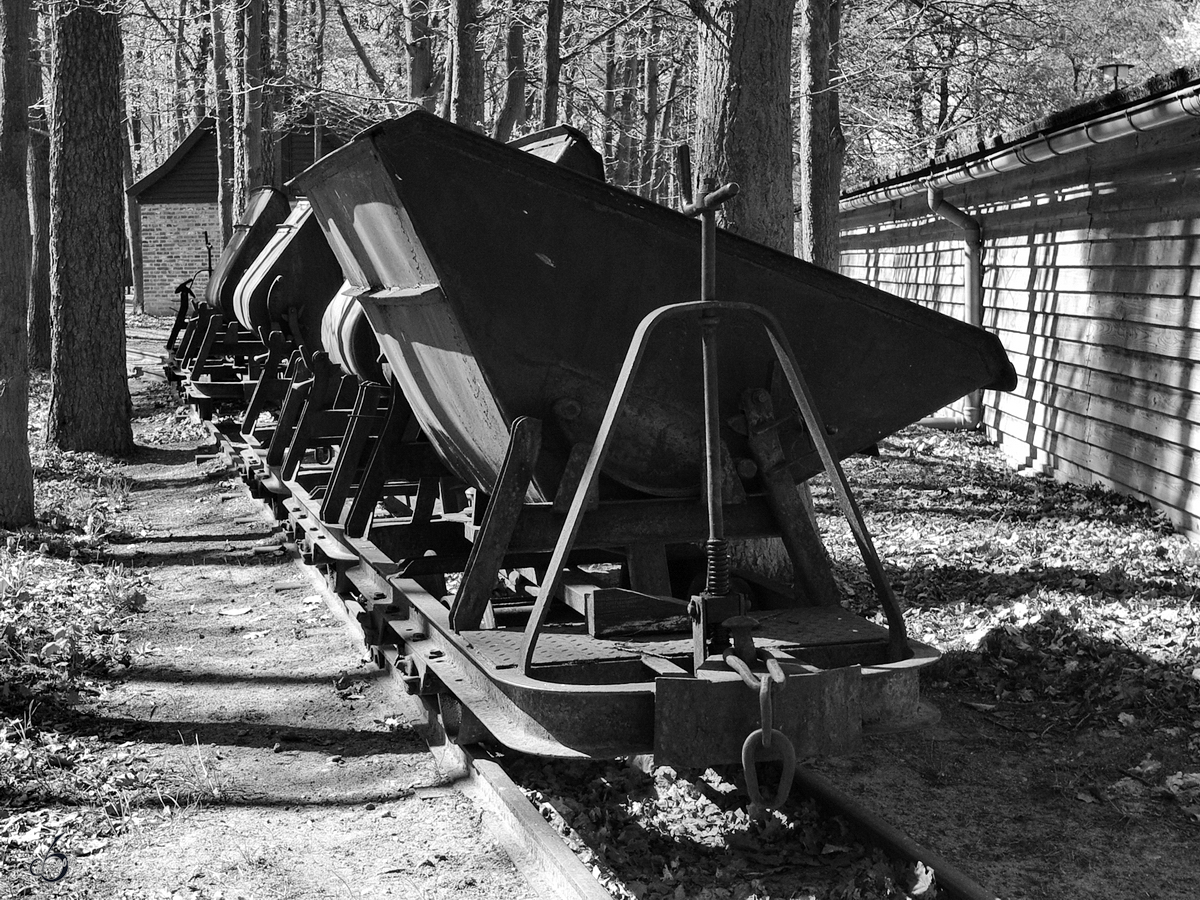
x=1076, y=604
x=60, y=622
x=657, y=836
x=1040, y=591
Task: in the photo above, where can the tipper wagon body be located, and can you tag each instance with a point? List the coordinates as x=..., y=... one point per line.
x=558, y=432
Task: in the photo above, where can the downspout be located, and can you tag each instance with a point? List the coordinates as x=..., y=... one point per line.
x=970, y=418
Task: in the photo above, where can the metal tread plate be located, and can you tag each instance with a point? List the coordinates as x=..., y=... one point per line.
x=782, y=629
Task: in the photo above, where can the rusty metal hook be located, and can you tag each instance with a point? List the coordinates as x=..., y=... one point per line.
x=756, y=741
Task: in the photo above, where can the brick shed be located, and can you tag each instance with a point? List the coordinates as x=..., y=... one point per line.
x=178, y=202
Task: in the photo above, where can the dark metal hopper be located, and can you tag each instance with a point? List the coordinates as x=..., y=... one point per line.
x=502, y=286
x=288, y=285
x=348, y=338
x=564, y=146
x=265, y=209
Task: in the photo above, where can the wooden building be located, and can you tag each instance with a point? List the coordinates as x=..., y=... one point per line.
x=178, y=203
x=1090, y=226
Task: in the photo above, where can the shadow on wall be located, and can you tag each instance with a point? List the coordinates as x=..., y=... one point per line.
x=1142, y=284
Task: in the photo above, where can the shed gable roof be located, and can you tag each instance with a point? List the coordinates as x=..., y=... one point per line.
x=189, y=172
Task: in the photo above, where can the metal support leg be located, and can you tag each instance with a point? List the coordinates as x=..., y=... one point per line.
x=377, y=471
x=326, y=383
x=897, y=639
x=364, y=425
x=268, y=382
x=289, y=413
x=499, y=520
x=204, y=350
x=795, y=528
x=193, y=332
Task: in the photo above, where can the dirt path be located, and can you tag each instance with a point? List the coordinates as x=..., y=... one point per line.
x=282, y=764
x=253, y=752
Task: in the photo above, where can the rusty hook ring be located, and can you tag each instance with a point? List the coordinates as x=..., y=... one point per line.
x=750, y=759
x=766, y=711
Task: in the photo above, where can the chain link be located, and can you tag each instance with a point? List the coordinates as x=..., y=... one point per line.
x=766, y=737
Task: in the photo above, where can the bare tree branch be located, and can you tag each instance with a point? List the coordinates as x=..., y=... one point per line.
x=368, y=66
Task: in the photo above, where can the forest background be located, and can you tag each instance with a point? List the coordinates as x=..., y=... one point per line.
x=913, y=76
x=792, y=99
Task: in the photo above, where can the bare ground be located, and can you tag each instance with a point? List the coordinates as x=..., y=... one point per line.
x=246, y=749
x=262, y=755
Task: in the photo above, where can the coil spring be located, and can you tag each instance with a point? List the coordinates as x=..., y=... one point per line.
x=717, y=576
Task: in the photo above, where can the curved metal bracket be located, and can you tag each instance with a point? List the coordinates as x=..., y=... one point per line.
x=897, y=639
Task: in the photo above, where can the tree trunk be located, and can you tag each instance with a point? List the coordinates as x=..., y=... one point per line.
x=237, y=68
x=133, y=220
x=661, y=170
x=200, y=73
x=317, y=75
x=569, y=90
x=649, y=112
x=280, y=93
x=316, y=42
x=610, y=101
x=252, y=83
x=89, y=394
x=224, y=117
x=16, y=474
x=282, y=35
x=38, y=176
x=447, y=83
x=466, y=90
x=918, y=85
x=554, y=16
x=359, y=50
x=513, y=110
x=943, y=116
x=743, y=115
x=625, y=169
x=822, y=144
x=266, y=130
x=418, y=47
x=744, y=134
x=182, y=88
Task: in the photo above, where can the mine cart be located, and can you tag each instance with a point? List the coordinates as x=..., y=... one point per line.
x=213, y=359
x=623, y=391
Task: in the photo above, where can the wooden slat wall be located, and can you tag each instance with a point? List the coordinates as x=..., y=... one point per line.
x=1091, y=271
x=192, y=180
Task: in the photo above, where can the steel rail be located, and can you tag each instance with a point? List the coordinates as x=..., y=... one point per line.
x=534, y=847
x=887, y=837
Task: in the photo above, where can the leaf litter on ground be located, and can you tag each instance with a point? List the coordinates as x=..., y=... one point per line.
x=1034, y=589
x=1037, y=592
x=1041, y=595
x=64, y=614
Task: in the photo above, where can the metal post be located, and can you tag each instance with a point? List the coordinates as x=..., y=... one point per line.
x=717, y=581
x=709, y=608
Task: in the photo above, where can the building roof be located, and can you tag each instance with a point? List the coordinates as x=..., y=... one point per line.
x=190, y=172
x=1160, y=100
x=206, y=128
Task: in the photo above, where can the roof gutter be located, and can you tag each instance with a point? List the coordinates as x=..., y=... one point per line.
x=1144, y=116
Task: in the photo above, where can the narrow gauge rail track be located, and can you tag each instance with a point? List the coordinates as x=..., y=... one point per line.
x=536, y=834
x=494, y=446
